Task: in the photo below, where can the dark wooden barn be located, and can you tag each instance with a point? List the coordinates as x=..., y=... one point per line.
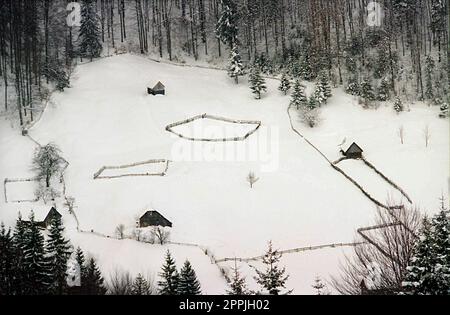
x=158, y=89
x=153, y=218
x=353, y=151
x=47, y=220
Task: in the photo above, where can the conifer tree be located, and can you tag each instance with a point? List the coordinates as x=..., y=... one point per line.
x=236, y=68
x=383, y=90
x=168, y=285
x=312, y=104
x=94, y=283
x=140, y=286
x=257, y=82
x=188, y=284
x=226, y=28
x=299, y=99
x=429, y=71
x=79, y=257
x=366, y=91
x=319, y=286
x=444, y=110
x=285, y=83
x=353, y=87
x=37, y=275
x=273, y=278
x=237, y=285
x=90, y=35
x=323, y=89
x=398, y=105
x=429, y=270
x=7, y=262
x=19, y=244
x=59, y=252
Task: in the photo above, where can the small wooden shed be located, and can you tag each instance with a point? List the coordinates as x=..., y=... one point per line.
x=153, y=218
x=40, y=220
x=53, y=213
x=352, y=150
x=158, y=89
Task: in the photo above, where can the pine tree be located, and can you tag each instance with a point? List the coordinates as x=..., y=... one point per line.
x=59, y=252
x=398, y=105
x=366, y=91
x=383, y=91
x=7, y=262
x=429, y=72
x=79, y=257
x=188, y=284
x=140, y=286
x=353, y=87
x=257, y=82
x=19, y=244
x=319, y=286
x=312, y=104
x=273, y=279
x=285, y=83
x=236, y=68
x=170, y=278
x=90, y=35
x=226, y=28
x=93, y=284
x=323, y=89
x=429, y=270
x=237, y=284
x=444, y=110
x=299, y=99
x=306, y=71
x=37, y=275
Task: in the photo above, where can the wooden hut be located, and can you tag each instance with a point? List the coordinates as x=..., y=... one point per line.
x=153, y=218
x=42, y=221
x=352, y=150
x=158, y=89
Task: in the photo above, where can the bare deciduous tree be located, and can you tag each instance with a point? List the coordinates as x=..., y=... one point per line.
x=252, y=179
x=120, y=283
x=120, y=231
x=160, y=234
x=390, y=249
x=401, y=134
x=427, y=135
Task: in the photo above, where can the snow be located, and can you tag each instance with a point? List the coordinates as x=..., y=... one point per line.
x=20, y=191
x=107, y=118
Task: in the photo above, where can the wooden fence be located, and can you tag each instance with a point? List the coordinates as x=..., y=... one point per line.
x=97, y=175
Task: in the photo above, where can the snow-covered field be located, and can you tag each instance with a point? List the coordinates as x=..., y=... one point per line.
x=107, y=118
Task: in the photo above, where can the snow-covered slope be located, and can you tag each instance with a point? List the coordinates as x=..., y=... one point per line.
x=107, y=118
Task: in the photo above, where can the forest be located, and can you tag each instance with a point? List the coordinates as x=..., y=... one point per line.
x=398, y=47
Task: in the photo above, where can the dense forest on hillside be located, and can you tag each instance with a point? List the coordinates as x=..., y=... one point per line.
x=398, y=47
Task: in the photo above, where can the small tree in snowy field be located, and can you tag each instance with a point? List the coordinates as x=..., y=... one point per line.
x=252, y=179
x=47, y=162
x=188, y=284
x=169, y=277
x=120, y=231
x=299, y=99
x=398, y=105
x=257, y=82
x=427, y=135
x=401, y=134
x=285, y=83
x=273, y=278
x=310, y=117
x=237, y=283
x=429, y=72
x=320, y=287
x=444, y=110
x=323, y=89
x=160, y=234
x=90, y=35
x=236, y=68
x=140, y=286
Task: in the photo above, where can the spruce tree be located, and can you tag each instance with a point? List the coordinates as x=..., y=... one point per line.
x=429, y=270
x=257, y=82
x=90, y=35
x=323, y=89
x=7, y=262
x=444, y=110
x=59, y=252
x=19, y=244
x=236, y=68
x=168, y=285
x=366, y=91
x=188, y=284
x=285, y=83
x=353, y=87
x=398, y=105
x=299, y=99
x=273, y=278
x=237, y=283
x=94, y=283
x=429, y=71
x=383, y=91
x=140, y=286
x=79, y=257
x=35, y=264
x=226, y=28
x=312, y=104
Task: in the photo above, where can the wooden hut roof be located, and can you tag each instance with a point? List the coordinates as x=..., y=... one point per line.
x=159, y=86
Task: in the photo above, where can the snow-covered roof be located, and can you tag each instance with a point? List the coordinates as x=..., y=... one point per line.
x=40, y=212
x=348, y=143
x=159, y=86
